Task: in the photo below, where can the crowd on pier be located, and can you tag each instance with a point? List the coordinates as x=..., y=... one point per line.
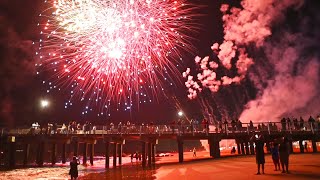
x=179, y=126
x=72, y=127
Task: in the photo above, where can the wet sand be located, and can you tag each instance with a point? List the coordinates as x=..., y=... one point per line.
x=302, y=166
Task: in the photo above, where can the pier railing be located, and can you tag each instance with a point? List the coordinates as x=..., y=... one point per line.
x=177, y=129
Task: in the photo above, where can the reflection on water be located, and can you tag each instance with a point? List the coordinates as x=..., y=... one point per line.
x=197, y=168
x=125, y=172
x=97, y=171
x=56, y=173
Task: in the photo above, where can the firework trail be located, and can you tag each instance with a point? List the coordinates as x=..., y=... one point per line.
x=113, y=50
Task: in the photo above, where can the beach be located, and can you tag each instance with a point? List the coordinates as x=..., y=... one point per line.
x=302, y=166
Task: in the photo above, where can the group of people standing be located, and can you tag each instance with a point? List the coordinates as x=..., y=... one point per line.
x=280, y=154
x=136, y=155
x=280, y=151
x=295, y=124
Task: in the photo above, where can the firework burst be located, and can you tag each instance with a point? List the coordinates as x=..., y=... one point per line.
x=113, y=50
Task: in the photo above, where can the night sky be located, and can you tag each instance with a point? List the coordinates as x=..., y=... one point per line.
x=21, y=89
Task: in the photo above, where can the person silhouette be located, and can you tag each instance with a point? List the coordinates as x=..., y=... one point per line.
x=73, y=172
x=233, y=150
x=259, y=142
x=275, y=156
x=306, y=146
x=284, y=154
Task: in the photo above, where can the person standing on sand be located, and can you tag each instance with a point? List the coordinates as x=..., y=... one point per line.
x=194, y=152
x=259, y=152
x=275, y=156
x=137, y=156
x=284, y=154
x=306, y=146
x=73, y=172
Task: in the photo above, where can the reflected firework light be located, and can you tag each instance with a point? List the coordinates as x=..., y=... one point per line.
x=113, y=51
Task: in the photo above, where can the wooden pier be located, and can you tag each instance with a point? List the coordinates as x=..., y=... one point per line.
x=57, y=143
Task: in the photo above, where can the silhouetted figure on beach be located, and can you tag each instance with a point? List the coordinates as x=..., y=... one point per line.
x=131, y=157
x=194, y=152
x=284, y=154
x=306, y=146
x=275, y=156
x=258, y=139
x=233, y=150
x=74, y=168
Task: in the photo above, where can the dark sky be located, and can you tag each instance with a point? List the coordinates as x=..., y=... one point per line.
x=21, y=90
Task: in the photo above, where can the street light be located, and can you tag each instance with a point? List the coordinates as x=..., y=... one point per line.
x=44, y=103
x=180, y=113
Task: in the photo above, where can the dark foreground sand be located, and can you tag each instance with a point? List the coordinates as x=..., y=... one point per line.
x=302, y=166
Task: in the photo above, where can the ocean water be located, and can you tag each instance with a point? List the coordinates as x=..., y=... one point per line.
x=59, y=171
x=128, y=171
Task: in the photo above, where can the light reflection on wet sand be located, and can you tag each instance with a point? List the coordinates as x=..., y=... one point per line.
x=200, y=168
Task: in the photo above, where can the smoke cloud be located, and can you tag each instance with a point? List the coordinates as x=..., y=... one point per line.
x=294, y=88
x=16, y=69
x=286, y=79
x=250, y=24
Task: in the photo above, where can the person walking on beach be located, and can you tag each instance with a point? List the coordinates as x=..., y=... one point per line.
x=284, y=155
x=74, y=168
x=275, y=156
x=194, y=152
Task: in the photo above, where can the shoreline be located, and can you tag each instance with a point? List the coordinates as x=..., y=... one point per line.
x=168, y=168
